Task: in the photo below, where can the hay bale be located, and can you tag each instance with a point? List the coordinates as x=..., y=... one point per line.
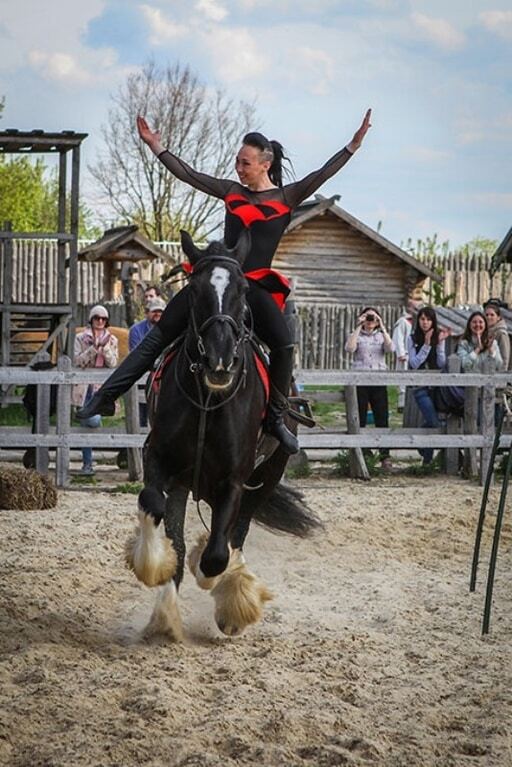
x=25, y=489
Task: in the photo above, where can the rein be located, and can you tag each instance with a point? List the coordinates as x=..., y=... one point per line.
x=202, y=401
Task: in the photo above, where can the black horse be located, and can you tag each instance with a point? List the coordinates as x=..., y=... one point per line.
x=204, y=439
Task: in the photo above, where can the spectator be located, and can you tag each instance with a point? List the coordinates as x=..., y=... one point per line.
x=426, y=350
x=151, y=292
x=96, y=347
x=498, y=328
x=368, y=343
x=477, y=346
x=401, y=332
x=153, y=310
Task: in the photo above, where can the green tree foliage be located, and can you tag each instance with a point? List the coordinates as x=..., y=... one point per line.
x=29, y=197
x=480, y=246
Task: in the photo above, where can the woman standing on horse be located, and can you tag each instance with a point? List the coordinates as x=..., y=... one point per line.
x=261, y=203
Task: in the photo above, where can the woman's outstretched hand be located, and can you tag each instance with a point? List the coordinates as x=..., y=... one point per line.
x=151, y=138
x=360, y=132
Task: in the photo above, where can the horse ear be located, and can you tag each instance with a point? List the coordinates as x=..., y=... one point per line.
x=242, y=247
x=192, y=253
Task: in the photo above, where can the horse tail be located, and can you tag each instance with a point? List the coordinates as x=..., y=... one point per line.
x=285, y=511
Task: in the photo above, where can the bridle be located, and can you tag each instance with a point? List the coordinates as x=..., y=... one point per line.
x=240, y=329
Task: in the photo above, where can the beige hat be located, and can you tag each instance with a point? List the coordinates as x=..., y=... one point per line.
x=98, y=311
x=155, y=305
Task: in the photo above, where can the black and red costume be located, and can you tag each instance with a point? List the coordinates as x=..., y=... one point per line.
x=266, y=214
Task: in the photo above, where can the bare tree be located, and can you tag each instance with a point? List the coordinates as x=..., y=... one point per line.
x=200, y=125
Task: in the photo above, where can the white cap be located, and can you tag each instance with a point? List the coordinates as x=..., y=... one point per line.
x=155, y=305
x=98, y=311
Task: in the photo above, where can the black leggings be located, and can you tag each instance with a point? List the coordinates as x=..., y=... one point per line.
x=377, y=397
x=269, y=322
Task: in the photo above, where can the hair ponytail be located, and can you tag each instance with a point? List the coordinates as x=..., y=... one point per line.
x=272, y=151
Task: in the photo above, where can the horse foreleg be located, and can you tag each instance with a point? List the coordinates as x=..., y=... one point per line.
x=149, y=553
x=240, y=596
x=215, y=556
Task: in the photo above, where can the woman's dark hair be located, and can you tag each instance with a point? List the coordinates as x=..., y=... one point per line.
x=494, y=304
x=272, y=151
x=418, y=335
x=468, y=335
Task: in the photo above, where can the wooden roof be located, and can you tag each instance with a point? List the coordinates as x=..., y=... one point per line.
x=123, y=243
x=320, y=205
x=16, y=141
x=503, y=253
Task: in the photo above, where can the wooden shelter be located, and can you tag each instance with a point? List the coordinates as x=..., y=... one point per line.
x=335, y=258
x=120, y=249
x=503, y=253
x=52, y=323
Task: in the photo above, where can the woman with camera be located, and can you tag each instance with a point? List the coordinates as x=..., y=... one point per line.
x=369, y=343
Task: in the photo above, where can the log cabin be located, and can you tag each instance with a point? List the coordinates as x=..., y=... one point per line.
x=333, y=258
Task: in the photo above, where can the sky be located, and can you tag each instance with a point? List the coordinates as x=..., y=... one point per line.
x=437, y=75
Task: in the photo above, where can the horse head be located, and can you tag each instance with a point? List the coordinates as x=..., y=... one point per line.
x=217, y=297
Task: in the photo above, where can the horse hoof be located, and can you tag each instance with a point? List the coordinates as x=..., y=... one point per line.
x=229, y=630
x=193, y=560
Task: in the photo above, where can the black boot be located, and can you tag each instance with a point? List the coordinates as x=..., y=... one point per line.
x=280, y=370
x=123, y=377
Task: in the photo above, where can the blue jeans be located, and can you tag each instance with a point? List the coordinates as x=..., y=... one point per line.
x=92, y=423
x=430, y=417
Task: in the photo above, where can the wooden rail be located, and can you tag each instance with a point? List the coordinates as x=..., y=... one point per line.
x=65, y=436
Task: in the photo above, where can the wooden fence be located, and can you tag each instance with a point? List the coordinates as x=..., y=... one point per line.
x=466, y=276
x=65, y=436
x=35, y=270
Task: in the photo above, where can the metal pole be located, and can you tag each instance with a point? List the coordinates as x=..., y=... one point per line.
x=495, y=545
x=485, y=496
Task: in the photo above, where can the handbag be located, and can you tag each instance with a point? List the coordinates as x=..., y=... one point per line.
x=449, y=399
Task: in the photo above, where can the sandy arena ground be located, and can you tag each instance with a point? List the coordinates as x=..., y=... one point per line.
x=370, y=653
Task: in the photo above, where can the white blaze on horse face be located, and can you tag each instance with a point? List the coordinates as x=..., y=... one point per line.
x=220, y=281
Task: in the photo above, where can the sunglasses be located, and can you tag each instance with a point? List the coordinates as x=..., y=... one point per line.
x=103, y=319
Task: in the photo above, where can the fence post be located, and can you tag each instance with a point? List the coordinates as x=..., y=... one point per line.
x=470, y=427
x=358, y=467
x=42, y=426
x=41, y=422
x=453, y=424
x=488, y=406
x=63, y=424
x=131, y=403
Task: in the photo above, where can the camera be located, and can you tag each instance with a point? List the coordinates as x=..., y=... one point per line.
x=370, y=317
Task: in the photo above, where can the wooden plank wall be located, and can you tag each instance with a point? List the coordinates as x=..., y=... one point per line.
x=333, y=262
